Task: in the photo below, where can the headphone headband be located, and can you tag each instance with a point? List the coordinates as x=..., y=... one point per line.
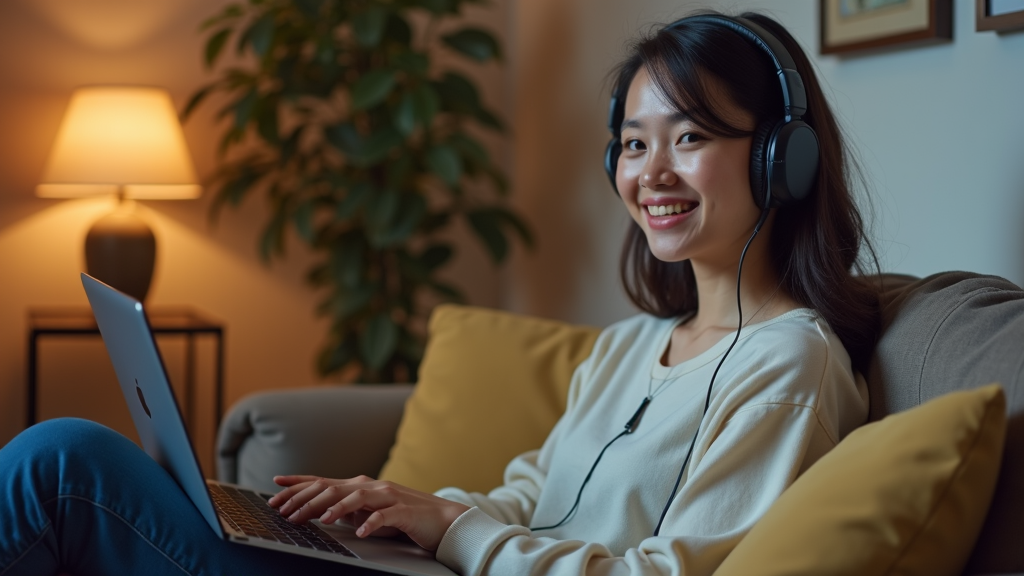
x=794, y=97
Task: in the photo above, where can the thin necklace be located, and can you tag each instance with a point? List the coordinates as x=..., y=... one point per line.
x=668, y=381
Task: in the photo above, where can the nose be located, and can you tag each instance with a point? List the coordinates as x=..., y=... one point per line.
x=658, y=171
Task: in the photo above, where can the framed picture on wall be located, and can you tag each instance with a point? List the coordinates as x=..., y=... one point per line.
x=999, y=15
x=855, y=25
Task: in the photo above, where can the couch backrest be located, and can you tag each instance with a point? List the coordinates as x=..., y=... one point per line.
x=954, y=331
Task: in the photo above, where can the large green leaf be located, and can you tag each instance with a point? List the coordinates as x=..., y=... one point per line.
x=368, y=24
x=457, y=94
x=470, y=149
x=303, y=219
x=318, y=275
x=510, y=220
x=444, y=161
x=272, y=239
x=447, y=291
x=347, y=302
x=488, y=119
x=235, y=188
x=348, y=260
x=378, y=340
x=436, y=256
x=426, y=104
x=498, y=179
x=417, y=107
x=231, y=137
x=377, y=146
x=265, y=113
x=372, y=89
x=409, y=214
x=363, y=151
x=243, y=108
x=476, y=43
x=261, y=35
x=215, y=45
x=487, y=226
x=195, y=100
x=405, y=114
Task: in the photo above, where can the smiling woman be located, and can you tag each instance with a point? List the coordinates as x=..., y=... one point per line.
x=733, y=170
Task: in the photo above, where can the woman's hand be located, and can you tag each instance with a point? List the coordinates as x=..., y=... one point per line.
x=372, y=506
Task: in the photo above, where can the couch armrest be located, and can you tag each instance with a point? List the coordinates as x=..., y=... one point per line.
x=337, y=432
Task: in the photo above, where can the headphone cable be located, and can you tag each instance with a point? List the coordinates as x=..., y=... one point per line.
x=711, y=385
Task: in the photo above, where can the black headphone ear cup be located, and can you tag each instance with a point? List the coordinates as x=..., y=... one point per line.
x=794, y=156
x=759, y=146
x=611, y=160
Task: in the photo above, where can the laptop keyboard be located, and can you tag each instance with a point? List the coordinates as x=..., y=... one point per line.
x=247, y=512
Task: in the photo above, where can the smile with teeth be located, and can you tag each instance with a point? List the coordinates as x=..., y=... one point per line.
x=668, y=210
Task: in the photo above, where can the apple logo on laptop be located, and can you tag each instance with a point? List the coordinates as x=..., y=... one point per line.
x=142, y=399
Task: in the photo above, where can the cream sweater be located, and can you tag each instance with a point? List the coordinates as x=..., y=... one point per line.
x=784, y=397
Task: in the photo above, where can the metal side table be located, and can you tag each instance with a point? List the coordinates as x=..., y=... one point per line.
x=79, y=322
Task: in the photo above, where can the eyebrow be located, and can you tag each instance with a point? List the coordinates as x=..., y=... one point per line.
x=675, y=117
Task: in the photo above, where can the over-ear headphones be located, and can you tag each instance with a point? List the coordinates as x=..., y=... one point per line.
x=784, y=153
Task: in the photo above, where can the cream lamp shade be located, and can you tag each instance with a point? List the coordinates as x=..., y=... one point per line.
x=124, y=140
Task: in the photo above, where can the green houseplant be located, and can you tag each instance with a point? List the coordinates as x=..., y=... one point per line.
x=342, y=120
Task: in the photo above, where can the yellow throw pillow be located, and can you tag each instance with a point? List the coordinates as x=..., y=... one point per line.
x=905, y=495
x=491, y=386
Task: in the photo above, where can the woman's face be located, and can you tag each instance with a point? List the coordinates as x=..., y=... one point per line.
x=688, y=189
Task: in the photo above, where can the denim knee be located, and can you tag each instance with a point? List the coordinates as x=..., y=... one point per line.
x=64, y=448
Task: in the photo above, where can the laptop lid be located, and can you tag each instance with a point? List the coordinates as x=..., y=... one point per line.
x=144, y=383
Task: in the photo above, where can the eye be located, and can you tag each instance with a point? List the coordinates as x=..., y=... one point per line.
x=634, y=145
x=690, y=138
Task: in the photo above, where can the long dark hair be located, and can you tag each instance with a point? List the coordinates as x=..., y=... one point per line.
x=816, y=245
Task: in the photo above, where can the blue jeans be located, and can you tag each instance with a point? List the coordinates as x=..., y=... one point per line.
x=78, y=497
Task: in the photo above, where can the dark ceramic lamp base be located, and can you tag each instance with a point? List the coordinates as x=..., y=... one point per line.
x=120, y=250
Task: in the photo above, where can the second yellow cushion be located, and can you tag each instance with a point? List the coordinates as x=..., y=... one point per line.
x=491, y=386
x=906, y=495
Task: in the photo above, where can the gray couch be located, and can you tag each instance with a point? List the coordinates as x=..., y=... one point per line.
x=949, y=331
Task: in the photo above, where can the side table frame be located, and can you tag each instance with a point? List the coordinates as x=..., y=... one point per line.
x=174, y=321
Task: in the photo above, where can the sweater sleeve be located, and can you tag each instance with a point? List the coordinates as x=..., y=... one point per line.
x=731, y=483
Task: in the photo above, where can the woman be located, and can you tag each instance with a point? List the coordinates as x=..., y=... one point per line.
x=711, y=445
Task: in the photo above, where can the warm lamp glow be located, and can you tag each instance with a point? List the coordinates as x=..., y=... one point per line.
x=123, y=140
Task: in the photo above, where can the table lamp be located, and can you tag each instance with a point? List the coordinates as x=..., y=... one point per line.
x=124, y=141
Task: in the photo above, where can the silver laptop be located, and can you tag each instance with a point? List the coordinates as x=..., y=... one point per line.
x=234, y=513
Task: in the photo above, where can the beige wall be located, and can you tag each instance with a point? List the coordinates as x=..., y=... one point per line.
x=49, y=47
